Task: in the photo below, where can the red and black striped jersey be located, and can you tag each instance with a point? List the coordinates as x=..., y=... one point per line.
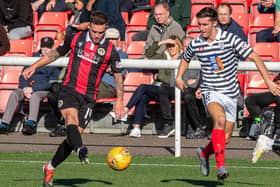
x=88, y=62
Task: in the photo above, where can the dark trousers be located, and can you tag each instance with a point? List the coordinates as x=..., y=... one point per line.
x=266, y=36
x=256, y=102
x=195, y=111
x=140, y=98
x=166, y=94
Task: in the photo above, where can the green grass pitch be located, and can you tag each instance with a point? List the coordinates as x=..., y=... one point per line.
x=20, y=169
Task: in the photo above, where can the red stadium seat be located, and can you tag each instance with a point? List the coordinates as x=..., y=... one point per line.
x=53, y=20
x=20, y=47
x=252, y=35
x=197, y=5
x=255, y=83
x=135, y=49
x=243, y=20
x=134, y=79
x=267, y=51
x=262, y=20
x=254, y=8
x=193, y=33
x=139, y=20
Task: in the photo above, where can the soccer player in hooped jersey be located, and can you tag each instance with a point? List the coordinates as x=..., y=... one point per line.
x=218, y=52
x=90, y=55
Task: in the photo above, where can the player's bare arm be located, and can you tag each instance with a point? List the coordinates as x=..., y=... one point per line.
x=184, y=65
x=50, y=57
x=119, y=108
x=273, y=87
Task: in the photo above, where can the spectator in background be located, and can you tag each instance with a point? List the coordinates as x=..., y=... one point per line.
x=42, y=6
x=226, y=23
x=111, y=8
x=256, y=102
x=4, y=41
x=146, y=92
x=271, y=34
x=35, y=89
x=107, y=85
x=17, y=17
x=73, y=28
x=180, y=11
x=163, y=29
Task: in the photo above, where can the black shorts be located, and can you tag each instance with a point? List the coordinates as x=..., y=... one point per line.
x=69, y=98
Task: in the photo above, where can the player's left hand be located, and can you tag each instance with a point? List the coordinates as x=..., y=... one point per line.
x=274, y=89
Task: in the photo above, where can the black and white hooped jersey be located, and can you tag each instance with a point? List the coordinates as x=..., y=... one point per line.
x=219, y=61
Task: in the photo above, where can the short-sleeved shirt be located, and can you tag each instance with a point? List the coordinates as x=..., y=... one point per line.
x=219, y=61
x=88, y=63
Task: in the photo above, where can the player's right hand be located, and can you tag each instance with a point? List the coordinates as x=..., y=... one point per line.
x=28, y=72
x=180, y=84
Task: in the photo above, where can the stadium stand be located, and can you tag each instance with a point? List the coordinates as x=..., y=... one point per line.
x=135, y=49
x=20, y=47
x=243, y=20
x=267, y=51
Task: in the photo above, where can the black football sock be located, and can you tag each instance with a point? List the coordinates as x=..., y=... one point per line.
x=74, y=137
x=63, y=151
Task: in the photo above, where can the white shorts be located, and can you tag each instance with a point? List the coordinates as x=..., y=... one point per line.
x=229, y=104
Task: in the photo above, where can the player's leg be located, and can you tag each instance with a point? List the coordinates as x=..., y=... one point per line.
x=218, y=138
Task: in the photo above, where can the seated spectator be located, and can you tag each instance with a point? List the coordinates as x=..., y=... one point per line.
x=180, y=11
x=256, y=102
x=42, y=6
x=226, y=23
x=35, y=89
x=72, y=28
x=4, y=41
x=162, y=30
x=271, y=34
x=192, y=100
x=107, y=85
x=17, y=17
x=145, y=93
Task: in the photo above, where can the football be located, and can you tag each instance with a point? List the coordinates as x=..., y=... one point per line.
x=118, y=158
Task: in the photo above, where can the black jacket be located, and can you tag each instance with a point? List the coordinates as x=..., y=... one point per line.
x=16, y=13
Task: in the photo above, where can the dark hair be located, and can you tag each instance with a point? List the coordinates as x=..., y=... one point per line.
x=98, y=18
x=227, y=5
x=207, y=12
x=164, y=5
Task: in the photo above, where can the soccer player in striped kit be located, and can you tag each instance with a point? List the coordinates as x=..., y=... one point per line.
x=219, y=52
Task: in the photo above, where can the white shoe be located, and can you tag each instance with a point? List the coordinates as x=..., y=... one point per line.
x=124, y=118
x=264, y=144
x=135, y=132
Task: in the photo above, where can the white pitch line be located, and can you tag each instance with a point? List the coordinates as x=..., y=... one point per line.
x=133, y=164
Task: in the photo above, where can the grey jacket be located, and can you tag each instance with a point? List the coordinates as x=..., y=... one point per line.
x=159, y=33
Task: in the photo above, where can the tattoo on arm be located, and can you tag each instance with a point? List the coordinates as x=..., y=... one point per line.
x=119, y=85
x=53, y=55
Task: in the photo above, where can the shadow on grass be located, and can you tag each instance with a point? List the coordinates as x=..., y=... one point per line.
x=76, y=182
x=206, y=183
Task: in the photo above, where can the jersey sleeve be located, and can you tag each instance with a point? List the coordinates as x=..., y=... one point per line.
x=66, y=46
x=115, y=61
x=189, y=53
